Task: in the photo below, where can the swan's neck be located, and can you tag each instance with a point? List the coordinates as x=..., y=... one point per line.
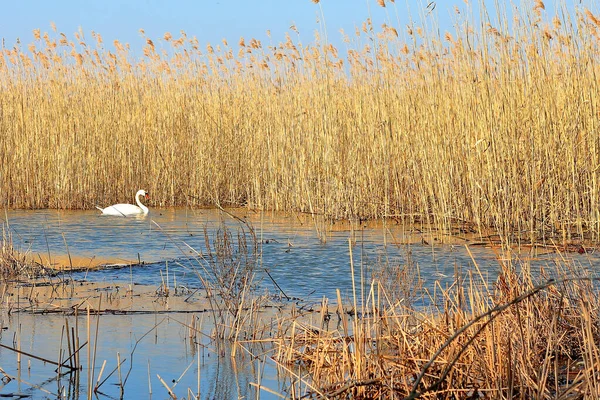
x=140, y=205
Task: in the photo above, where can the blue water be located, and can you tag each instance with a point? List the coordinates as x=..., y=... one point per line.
x=303, y=263
x=165, y=351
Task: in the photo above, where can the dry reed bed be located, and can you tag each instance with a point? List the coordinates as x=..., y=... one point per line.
x=16, y=264
x=518, y=338
x=493, y=126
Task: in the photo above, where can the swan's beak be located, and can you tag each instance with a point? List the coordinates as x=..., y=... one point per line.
x=147, y=196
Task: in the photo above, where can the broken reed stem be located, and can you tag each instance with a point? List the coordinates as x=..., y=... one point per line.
x=89, y=356
x=198, y=376
x=176, y=382
x=19, y=344
x=352, y=276
x=70, y=359
x=167, y=387
x=76, y=337
x=119, y=369
x=341, y=313
x=60, y=350
x=63, y=365
x=96, y=339
x=149, y=380
x=258, y=380
x=99, y=377
x=75, y=356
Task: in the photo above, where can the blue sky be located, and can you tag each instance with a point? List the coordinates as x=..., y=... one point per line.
x=211, y=21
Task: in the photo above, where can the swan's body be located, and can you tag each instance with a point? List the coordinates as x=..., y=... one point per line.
x=124, y=210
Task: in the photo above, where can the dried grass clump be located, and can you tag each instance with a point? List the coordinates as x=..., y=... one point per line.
x=13, y=263
x=523, y=337
x=226, y=268
x=491, y=126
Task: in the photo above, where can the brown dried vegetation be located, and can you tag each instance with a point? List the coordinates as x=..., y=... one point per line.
x=518, y=338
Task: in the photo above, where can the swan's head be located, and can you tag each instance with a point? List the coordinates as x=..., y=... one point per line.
x=142, y=192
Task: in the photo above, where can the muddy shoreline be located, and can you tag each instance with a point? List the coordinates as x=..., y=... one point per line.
x=72, y=297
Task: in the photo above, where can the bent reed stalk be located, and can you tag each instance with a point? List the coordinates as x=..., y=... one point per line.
x=494, y=126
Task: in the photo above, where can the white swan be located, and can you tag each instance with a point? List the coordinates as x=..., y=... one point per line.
x=124, y=210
